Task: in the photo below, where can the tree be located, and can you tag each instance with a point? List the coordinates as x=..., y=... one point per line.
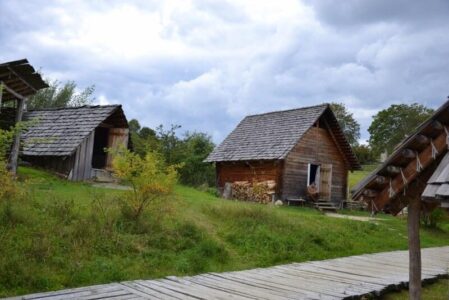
x=195, y=172
x=61, y=95
x=390, y=126
x=350, y=127
x=364, y=154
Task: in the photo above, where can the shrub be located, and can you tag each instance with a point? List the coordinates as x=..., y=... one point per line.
x=149, y=178
x=434, y=218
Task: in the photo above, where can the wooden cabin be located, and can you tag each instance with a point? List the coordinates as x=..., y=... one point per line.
x=72, y=141
x=18, y=80
x=294, y=148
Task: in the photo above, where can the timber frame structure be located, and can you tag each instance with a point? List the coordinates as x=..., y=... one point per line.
x=18, y=80
x=415, y=176
x=294, y=149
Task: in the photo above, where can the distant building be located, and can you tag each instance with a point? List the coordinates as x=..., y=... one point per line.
x=295, y=148
x=72, y=141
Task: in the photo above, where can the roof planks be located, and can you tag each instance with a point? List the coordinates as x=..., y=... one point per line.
x=271, y=136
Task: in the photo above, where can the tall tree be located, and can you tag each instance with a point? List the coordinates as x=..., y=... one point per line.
x=61, y=95
x=390, y=126
x=348, y=124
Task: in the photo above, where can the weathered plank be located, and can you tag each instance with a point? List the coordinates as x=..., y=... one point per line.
x=339, y=278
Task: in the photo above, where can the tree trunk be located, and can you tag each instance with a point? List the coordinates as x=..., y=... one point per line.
x=12, y=164
x=414, y=247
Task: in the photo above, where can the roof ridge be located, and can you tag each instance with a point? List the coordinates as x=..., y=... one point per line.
x=291, y=109
x=74, y=107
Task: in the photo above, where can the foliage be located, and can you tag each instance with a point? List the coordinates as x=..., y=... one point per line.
x=348, y=124
x=61, y=95
x=390, y=126
x=70, y=234
x=144, y=139
x=195, y=172
x=190, y=151
x=364, y=154
x=434, y=218
x=149, y=178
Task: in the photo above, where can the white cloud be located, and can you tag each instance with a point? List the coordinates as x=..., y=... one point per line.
x=205, y=64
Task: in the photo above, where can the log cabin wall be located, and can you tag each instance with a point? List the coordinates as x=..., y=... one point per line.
x=253, y=171
x=315, y=147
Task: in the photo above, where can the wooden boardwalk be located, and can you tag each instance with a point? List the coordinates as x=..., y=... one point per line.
x=341, y=278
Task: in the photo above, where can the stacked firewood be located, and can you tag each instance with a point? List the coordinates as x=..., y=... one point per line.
x=260, y=192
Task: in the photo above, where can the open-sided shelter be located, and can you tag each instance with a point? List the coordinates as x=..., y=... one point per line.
x=72, y=141
x=415, y=175
x=294, y=148
x=18, y=80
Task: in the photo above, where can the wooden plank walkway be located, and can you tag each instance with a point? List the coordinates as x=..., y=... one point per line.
x=341, y=278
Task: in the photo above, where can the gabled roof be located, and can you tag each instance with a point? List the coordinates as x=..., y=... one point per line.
x=59, y=131
x=21, y=77
x=425, y=155
x=271, y=136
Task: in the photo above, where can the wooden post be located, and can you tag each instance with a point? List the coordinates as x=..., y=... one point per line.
x=14, y=157
x=414, y=209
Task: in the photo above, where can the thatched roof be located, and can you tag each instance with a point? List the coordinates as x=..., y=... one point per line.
x=59, y=131
x=271, y=136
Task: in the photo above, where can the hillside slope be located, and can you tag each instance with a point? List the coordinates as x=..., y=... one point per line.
x=66, y=234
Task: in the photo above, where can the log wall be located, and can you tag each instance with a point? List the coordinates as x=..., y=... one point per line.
x=252, y=171
x=315, y=147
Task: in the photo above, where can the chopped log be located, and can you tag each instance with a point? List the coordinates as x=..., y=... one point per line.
x=422, y=139
x=393, y=169
x=380, y=180
x=408, y=153
x=370, y=193
x=436, y=125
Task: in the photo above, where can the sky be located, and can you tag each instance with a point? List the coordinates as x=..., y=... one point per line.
x=205, y=64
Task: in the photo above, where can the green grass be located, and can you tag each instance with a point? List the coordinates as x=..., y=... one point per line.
x=434, y=291
x=357, y=176
x=66, y=234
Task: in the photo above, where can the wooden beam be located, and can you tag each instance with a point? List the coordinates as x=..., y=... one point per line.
x=11, y=91
x=14, y=156
x=414, y=209
x=410, y=171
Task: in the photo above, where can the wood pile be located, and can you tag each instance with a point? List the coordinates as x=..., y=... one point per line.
x=260, y=192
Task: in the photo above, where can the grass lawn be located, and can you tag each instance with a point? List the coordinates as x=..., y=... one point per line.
x=434, y=291
x=356, y=176
x=65, y=234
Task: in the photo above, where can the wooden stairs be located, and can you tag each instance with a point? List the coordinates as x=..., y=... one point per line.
x=326, y=205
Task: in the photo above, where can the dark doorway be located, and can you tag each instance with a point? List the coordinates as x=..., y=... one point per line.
x=313, y=175
x=100, y=143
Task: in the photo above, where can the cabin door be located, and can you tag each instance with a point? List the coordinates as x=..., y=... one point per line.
x=325, y=181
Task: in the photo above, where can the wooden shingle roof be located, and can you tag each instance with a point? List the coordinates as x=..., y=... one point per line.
x=271, y=136
x=20, y=76
x=437, y=189
x=58, y=132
